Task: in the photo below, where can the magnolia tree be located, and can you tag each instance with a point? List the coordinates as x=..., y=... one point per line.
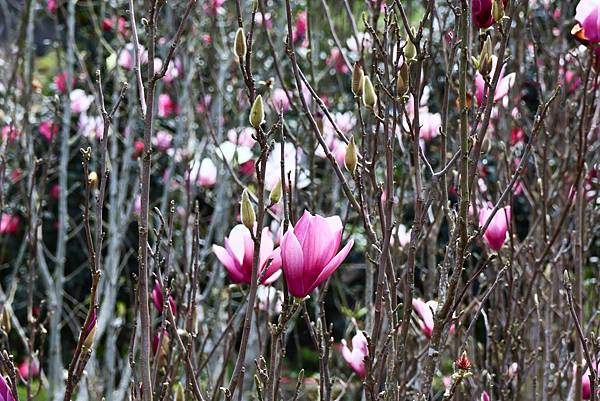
x=299, y=200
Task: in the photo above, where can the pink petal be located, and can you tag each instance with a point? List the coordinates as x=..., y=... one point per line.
x=293, y=263
x=242, y=246
x=302, y=226
x=318, y=247
x=274, y=267
x=229, y=263
x=332, y=265
x=504, y=85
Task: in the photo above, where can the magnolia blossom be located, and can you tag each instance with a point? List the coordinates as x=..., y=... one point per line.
x=126, y=56
x=264, y=19
x=356, y=43
x=54, y=191
x=80, y=101
x=485, y=396
x=269, y=299
x=24, y=368
x=205, y=174
x=166, y=106
x=300, y=28
x=162, y=141
x=587, y=14
x=158, y=299
x=51, y=6
x=10, y=133
x=426, y=311
x=9, y=223
x=238, y=254
x=336, y=59
x=482, y=13
x=90, y=127
x=291, y=157
x=48, y=130
x=280, y=100
x=5, y=391
x=431, y=124
x=403, y=235
x=214, y=7
x=495, y=234
x=586, y=390
x=505, y=82
x=345, y=122
x=356, y=357
x=310, y=252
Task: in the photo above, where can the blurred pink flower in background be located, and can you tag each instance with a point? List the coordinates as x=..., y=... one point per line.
x=505, y=82
x=269, y=299
x=300, y=27
x=54, y=191
x=24, y=370
x=90, y=127
x=60, y=81
x=166, y=106
x=309, y=251
x=336, y=59
x=485, y=396
x=10, y=133
x=426, y=311
x=207, y=174
x=9, y=223
x=356, y=357
x=495, y=235
x=291, y=157
x=238, y=253
x=126, y=59
x=137, y=205
x=264, y=19
x=5, y=391
x=279, y=100
x=162, y=141
x=214, y=7
x=430, y=125
x=48, y=129
x=80, y=101
x=52, y=6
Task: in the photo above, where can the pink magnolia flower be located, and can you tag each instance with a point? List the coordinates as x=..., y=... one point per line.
x=60, y=81
x=308, y=251
x=24, y=366
x=426, y=311
x=336, y=59
x=51, y=6
x=587, y=15
x=207, y=173
x=214, y=7
x=280, y=100
x=586, y=390
x=430, y=128
x=80, y=101
x=9, y=223
x=166, y=106
x=238, y=253
x=162, y=141
x=264, y=19
x=5, y=391
x=291, y=157
x=10, y=133
x=485, y=396
x=48, y=130
x=269, y=299
x=54, y=191
x=356, y=357
x=482, y=13
x=158, y=300
x=505, y=82
x=137, y=205
x=300, y=28
x=126, y=55
x=495, y=235
x=90, y=127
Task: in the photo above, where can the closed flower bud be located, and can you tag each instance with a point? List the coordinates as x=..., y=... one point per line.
x=351, y=158
x=275, y=195
x=257, y=112
x=368, y=93
x=5, y=323
x=240, y=44
x=485, y=58
x=497, y=10
x=179, y=392
x=247, y=211
x=402, y=82
x=357, y=79
x=410, y=51
x=93, y=180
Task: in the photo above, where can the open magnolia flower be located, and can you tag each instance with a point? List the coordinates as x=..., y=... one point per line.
x=308, y=251
x=505, y=82
x=495, y=234
x=587, y=15
x=5, y=391
x=426, y=311
x=238, y=253
x=356, y=357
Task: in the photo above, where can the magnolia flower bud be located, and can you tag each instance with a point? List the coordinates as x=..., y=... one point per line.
x=247, y=211
x=351, y=158
x=368, y=93
x=485, y=58
x=5, y=323
x=402, y=82
x=89, y=339
x=257, y=112
x=410, y=51
x=497, y=10
x=275, y=195
x=93, y=180
x=240, y=44
x=357, y=79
